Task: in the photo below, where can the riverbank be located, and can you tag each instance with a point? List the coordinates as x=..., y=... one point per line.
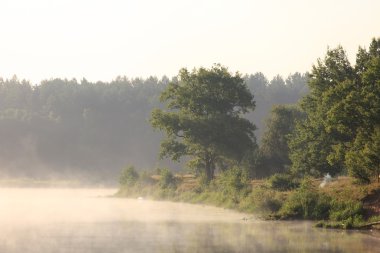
x=340, y=203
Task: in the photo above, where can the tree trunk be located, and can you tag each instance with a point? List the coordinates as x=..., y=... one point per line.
x=208, y=172
x=210, y=167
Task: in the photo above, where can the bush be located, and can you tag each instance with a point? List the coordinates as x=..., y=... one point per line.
x=262, y=200
x=375, y=218
x=128, y=176
x=167, y=179
x=344, y=210
x=282, y=182
x=352, y=222
x=234, y=183
x=306, y=202
x=203, y=183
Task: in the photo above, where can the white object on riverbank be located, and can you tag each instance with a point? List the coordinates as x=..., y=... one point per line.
x=326, y=179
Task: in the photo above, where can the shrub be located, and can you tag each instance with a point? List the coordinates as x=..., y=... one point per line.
x=128, y=176
x=352, y=222
x=375, y=218
x=234, y=183
x=203, y=183
x=282, y=182
x=306, y=202
x=167, y=179
x=344, y=210
x=262, y=200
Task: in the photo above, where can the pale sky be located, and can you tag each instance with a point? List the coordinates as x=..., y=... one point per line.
x=101, y=39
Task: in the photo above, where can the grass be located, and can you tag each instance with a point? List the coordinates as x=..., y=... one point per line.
x=342, y=203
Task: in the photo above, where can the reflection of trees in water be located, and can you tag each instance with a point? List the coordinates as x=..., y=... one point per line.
x=268, y=237
x=77, y=221
x=166, y=237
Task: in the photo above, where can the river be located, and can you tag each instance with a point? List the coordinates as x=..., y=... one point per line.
x=86, y=220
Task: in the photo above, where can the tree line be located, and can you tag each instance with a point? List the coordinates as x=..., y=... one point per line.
x=63, y=127
x=335, y=128
x=332, y=130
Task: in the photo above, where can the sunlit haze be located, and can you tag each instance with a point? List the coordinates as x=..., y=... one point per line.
x=77, y=221
x=100, y=40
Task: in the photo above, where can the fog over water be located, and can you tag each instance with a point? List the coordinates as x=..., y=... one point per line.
x=85, y=220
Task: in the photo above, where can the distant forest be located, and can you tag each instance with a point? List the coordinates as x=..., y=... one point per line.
x=69, y=128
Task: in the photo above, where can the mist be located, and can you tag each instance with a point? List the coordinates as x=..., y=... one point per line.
x=88, y=220
x=189, y=126
x=80, y=130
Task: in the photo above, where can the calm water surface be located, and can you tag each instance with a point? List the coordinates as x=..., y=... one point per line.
x=84, y=220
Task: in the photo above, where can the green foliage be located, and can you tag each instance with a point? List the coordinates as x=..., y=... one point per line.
x=233, y=183
x=204, y=118
x=312, y=142
x=375, y=218
x=343, y=113
x=100, y=126
x=167, y=179
x=363, y=159
x=128, y=177
x=350, y=223
x=344, y=210
x=274, y=148
x=269, y=93
x=263, y=201
x=306, y=202
x=282, y=182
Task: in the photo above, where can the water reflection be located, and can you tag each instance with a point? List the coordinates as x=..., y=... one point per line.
x=116, y=225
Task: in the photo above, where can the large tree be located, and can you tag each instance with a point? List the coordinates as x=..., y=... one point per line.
x=204, y=119
x=363, y=153
x=314, y=144
x=341, y=131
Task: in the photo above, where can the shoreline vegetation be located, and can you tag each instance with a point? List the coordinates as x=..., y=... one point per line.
x=341, y=203
x=317, y=160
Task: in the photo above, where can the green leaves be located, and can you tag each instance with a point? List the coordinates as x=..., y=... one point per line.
x=274, y=144
x=363, y=157
x=343, y=113
x=128, y=176
x=203, y=117
x=204, y=92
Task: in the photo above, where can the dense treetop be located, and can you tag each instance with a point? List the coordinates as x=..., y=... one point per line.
x=205, y=120
x=340, y=132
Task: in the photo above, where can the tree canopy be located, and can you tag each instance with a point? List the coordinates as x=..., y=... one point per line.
x=340, y=131
x=274, y=147
x=78, y=128
x=204, y=119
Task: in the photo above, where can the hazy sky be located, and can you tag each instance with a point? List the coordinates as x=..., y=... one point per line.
x=101, y=39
